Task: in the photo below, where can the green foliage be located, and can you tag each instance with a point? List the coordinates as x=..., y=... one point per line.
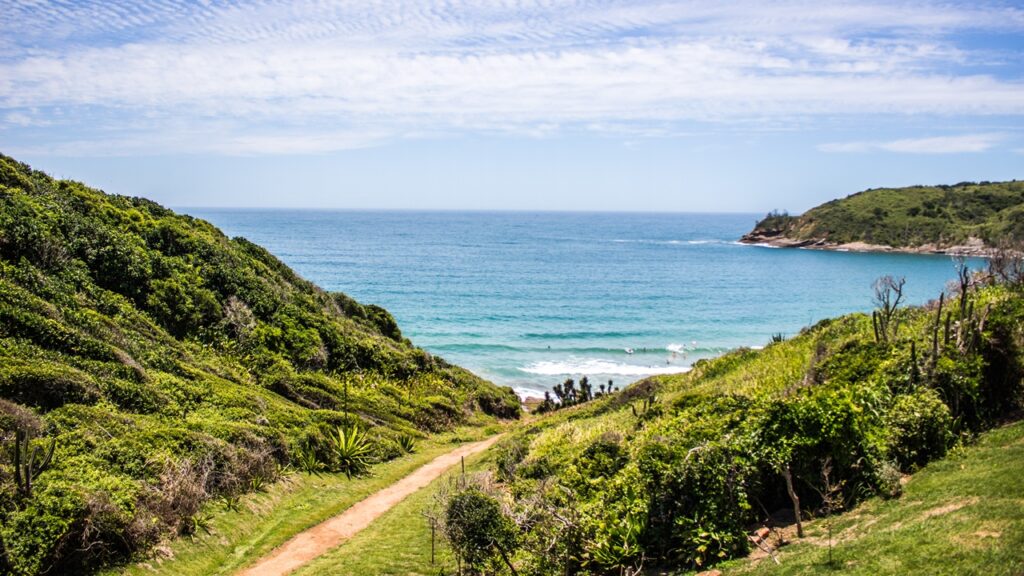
x=508, y=455
x=29, y=461
x=477, y=529
x=352, y=450
x=407, y=442
x=616, y=546
x=173, y=365
x=920, y=429
x=911, y=217
x=46, y=385
x=718, y=442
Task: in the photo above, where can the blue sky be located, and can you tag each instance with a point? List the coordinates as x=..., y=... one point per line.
x=513, y=104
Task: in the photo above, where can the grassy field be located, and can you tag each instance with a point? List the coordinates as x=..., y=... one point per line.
x=268, y=519
x=960, y=515
x=398, y=543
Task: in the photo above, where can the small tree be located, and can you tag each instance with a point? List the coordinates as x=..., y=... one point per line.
x=888, y=295
x=478, y=530
x=831, y=500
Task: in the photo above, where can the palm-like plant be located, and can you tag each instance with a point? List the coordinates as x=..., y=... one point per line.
x=407, y=443
x=307, y=460
x=353, y=450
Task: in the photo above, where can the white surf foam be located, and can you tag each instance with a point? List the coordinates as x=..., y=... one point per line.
x=592, y=366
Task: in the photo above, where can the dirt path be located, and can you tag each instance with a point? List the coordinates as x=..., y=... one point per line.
x=317, y=540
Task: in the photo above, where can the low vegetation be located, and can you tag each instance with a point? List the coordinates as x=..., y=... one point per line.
x=238, y=537
x=673, y=473
x=941, y=216
x=567, y=394
x=150, y=365
x=958, y=516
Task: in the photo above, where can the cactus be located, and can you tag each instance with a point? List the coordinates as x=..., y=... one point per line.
x=935, y=328
x=648, y=408
x=915, y=371
x=29, y=462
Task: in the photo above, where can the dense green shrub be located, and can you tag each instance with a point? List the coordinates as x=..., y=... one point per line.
x=920, y=429
x=477, y=529
x=46, y=386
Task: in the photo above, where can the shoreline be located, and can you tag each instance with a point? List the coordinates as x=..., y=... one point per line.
x=974, y=247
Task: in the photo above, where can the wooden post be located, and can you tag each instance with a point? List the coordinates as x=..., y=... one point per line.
x=788, y=475
x=433, y=529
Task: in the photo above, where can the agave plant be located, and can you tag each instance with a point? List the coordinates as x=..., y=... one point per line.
x=195, y=523
x=231, y=502
x=353, y=450
x=307, y=461
x=407, y=443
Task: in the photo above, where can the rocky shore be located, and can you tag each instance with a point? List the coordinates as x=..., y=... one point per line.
x=974, y=247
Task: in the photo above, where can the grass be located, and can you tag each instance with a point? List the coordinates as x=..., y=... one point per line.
x=961, y=515
x=268, y=519
x=398, y=543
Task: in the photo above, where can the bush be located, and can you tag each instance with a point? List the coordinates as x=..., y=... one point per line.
x=509, y=454
x=920, y=429
x=501, y=402
x=477, y=529
x=46, y=386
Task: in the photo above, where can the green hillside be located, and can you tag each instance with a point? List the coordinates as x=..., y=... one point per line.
x=166, y=365
x=673, y=473
x=962, y=515
x=937, y=216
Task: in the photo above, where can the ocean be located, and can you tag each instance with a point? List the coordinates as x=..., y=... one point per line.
x=529, y=299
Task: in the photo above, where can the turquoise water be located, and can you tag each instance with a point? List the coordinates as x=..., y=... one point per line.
x=529, y=299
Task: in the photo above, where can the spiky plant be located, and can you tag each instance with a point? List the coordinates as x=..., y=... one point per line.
x=196, y=522
x=231, y=502
x=308, y=462
x=407, y=443
x=353, y=450
x=29, y=461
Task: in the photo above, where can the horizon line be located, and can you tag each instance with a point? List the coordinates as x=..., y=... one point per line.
x=470, y=210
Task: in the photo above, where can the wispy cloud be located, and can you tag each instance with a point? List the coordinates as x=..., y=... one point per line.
x=296, y=77
x=964, y=143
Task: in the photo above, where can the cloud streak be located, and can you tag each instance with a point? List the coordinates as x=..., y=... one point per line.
x=960, y=144
x=300, y=77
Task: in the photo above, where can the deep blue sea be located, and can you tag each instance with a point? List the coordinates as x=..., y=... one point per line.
x=530, y=299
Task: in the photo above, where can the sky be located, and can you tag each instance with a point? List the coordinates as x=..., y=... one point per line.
x=512, y=104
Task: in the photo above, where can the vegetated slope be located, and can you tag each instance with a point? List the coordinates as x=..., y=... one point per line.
x=674, y=471
x=932, y=218
x=959, y=516
x=169, y=364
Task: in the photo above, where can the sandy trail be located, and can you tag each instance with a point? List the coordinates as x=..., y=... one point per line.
x=309, y=544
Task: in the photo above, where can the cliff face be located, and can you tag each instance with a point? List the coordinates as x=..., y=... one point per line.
x=968, y=218
x=158, y=355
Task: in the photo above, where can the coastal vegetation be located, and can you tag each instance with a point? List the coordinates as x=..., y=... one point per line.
x=957, y=516
x=150, y=365
x=675, y=472
x=931, y=217
x=158, y=379
x=568, y=394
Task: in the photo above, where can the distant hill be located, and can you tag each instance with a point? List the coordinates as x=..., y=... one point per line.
x=169, y=364
x=967, y=218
